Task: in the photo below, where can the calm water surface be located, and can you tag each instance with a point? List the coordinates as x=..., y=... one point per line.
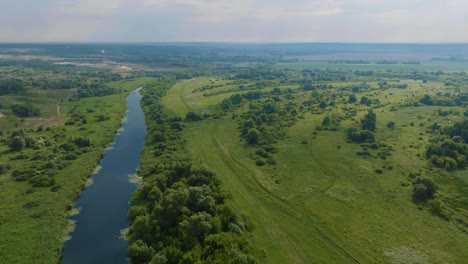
x=104, y=205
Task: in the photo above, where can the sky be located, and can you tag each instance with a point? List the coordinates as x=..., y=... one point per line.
x=422, y=21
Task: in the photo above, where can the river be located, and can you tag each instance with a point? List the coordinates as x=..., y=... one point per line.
x=104, y=205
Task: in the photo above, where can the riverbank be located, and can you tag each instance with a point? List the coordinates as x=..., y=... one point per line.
x=33, y=220
x=103, y=206
x=181, y=214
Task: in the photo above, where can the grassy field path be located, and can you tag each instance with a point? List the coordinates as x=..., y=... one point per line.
x=320, y=203
x=283, y=232
x=286, y=235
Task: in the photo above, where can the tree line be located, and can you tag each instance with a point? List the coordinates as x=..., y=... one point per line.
x=180, y=213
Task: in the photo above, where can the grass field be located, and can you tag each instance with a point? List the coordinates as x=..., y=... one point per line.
x=322, y=203
x=48, y=102
x=33, y=223
x=426, y=65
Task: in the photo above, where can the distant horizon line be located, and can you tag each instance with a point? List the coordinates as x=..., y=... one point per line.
x=227, y=42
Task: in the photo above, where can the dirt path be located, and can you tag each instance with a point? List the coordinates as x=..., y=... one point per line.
x=286, y=234
x=283, y=230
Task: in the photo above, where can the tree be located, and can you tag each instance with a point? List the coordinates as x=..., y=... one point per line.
x=391, y=125
x=13, y=86
x=198, y=225
x=159, y=258
x=4, y=168
x=139, y=252
x=269, y=108
x=352, y=99
x=25, y=110
x=308, y=87
x=423, y=189
x=360, y=136
x=17, y=143
x=252, y=136
x=236, y=99
x=82, y=141
x=369, y=121
x=326, y=121
x=323, y=104
x=191, y=116
x=365, y=100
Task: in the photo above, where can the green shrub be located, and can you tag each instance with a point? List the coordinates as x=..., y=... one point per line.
x=4, y=167
x=82, y=141
x=262, y=153
x=424, y=189
x=24, y=174
x=361, y=135
x=71, y=156
x=192, y=116
x=374, y=146
x=20, y=156
x=42, y=181
x=260, y=162
x=253, y=136
x=17, y=143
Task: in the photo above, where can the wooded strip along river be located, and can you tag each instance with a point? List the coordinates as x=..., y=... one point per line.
x=104, y=205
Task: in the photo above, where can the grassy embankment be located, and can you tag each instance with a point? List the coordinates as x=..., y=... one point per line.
x=33, y=222
x=322, y=202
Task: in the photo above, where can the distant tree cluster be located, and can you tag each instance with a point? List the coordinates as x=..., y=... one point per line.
x=458, y=132
x=360, y=135
x=56, y=84
x=450, y=152
x=370, y=121
x=308, y=86
x=368, y=125
x=21, y=139
x=437, y=100
x=82, y=141
x=259, y=73
x=25, y=110
x=261, y=124
x=318, y=75
x=192, y=116
x=237, y=99
x=94, y=89
x=12, y=86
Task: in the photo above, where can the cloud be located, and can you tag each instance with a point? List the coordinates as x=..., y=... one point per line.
x=87, y=7
x=234, y=20
x=206, y=11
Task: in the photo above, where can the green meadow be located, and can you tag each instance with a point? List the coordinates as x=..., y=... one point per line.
x=321, y=202
x=309, y=161
x=425, y=65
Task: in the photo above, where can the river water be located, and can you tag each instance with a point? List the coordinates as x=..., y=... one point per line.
x=104, y=205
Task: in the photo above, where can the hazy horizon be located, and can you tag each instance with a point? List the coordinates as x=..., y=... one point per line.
x=242, y=21
x=229, y=42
